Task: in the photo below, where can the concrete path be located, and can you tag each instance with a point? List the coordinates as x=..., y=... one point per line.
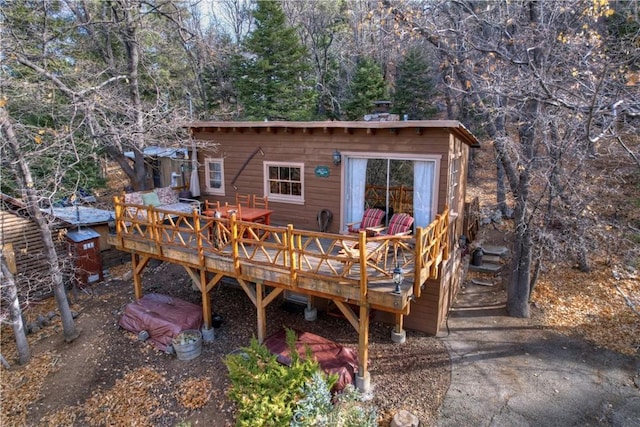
x=506, y=372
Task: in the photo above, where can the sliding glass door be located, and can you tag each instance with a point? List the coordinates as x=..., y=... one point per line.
x=392, y=183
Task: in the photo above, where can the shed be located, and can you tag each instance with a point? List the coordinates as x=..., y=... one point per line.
x=166, y=166
x=19, y=230
x=304, y=168
x=84, y=248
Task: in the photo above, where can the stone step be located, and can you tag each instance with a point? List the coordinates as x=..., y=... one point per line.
x=481, y=282
x=499, y=251
x=492, y=259
x=486, y=268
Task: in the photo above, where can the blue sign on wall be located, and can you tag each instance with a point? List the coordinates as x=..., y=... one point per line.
x=322, y=171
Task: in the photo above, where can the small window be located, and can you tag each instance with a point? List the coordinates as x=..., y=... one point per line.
x=454, y=192
x=214, y=176
x=284, y=181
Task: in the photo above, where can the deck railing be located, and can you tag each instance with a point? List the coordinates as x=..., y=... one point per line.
x=290, y=256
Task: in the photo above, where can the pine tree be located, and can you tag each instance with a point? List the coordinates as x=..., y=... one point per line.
x=414, y=87
x=367, y=86
x=274, y=78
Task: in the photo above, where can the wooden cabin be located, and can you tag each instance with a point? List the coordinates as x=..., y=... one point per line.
x=307, y=168
x=318, y=177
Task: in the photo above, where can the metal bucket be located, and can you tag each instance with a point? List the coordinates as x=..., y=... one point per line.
x=188, y=344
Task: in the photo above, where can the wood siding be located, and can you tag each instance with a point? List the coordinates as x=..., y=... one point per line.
x=313, y=148
x=32, y=267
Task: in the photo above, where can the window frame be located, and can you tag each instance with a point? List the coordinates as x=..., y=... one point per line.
x=454, y=184
x=277, y=197
x=211, y=190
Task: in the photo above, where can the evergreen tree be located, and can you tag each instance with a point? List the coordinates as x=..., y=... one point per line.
x=367, y=86
x=414, y=87
x=274, y=78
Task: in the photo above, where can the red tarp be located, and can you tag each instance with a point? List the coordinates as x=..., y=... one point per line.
x=332, y=357
x=162, y=316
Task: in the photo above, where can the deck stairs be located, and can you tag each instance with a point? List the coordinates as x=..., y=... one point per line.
x=492, y=259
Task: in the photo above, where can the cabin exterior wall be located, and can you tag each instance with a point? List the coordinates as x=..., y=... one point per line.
x=312, y=148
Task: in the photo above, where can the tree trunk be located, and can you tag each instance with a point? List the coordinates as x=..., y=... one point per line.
x=29, y=193
x=11, y=298
x=519, y=283
x=501, y=189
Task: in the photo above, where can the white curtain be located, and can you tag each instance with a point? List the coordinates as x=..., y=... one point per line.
x=355, y=188
x=423, y=179
x=194, y=182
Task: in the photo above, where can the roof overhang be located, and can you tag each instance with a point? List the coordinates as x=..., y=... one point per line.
x=453, y=126
x=154, y=151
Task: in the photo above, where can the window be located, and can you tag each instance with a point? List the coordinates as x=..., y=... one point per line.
x=284, y=181
x=454, y=191
x=214, y=176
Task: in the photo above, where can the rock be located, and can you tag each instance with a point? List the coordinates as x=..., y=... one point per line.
x=74, y=314
x=405, y=419
x=42, y=321
x=51, y=315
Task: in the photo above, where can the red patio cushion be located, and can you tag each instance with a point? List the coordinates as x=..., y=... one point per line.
x=400, y=223
x=371, y=217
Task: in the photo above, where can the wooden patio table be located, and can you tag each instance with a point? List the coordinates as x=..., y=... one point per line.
x=246, y=213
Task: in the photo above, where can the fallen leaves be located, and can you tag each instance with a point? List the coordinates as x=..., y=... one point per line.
x=194, y=393
x=132, y=401
x=589, y=304
x=21, y=387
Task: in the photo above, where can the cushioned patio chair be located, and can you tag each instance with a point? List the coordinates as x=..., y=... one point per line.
x=400, y=224
x=371, y=218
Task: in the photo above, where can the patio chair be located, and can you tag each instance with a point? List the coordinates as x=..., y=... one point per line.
x=260, y=202
x=243, y=199
x=210, y=207
x=400, y=224
x=371, y=218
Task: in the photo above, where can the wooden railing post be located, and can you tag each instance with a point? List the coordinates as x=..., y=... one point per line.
x=418, y=261
x=197, y=227
x=293, y=260
x=363, y=265
x=234, y=243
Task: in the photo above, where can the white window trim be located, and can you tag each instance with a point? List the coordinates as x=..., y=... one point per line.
x=209, y=190
x=293, y=200
x=436, y=158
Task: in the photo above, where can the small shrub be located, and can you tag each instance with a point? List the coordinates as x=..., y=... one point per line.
x=317, y=408
x=264, y=390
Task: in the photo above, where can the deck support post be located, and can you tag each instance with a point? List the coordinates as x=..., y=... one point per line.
x=262, y=313
x=206, y=301
x=399, y=335
x=363, y=379
x=138, y=263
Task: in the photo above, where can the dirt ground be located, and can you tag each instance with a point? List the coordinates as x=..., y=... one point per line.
x=108, y=377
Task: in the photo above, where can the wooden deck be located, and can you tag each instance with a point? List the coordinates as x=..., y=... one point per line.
x=267, y=260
